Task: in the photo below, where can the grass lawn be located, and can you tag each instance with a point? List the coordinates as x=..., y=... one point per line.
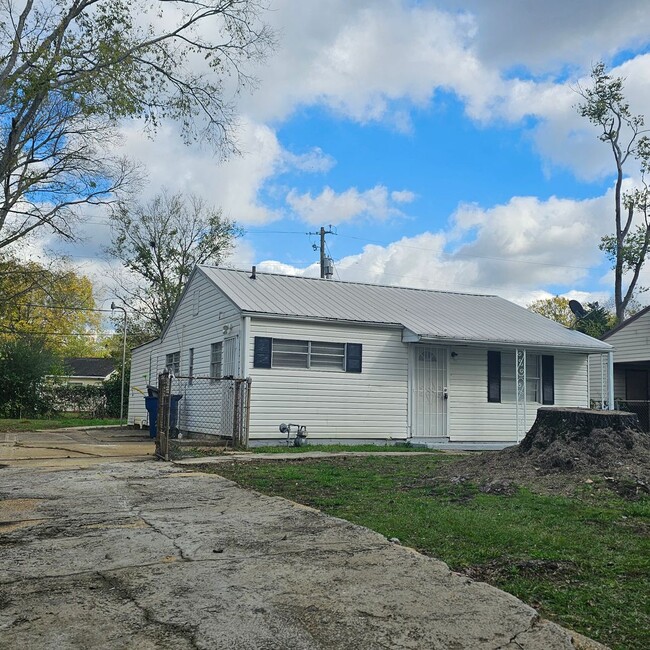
x=37, y=424
x=583, y=561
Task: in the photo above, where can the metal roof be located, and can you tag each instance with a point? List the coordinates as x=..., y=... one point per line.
x=431, y=315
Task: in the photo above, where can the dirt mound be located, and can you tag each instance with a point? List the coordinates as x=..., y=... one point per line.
x=566, y=448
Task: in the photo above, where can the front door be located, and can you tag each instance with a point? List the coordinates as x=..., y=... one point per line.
x=429, y=391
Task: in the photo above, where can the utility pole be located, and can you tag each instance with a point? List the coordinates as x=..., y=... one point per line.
x=323, y=258
x=113, y=308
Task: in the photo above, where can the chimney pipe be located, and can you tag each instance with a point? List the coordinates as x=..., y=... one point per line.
x=253, y=275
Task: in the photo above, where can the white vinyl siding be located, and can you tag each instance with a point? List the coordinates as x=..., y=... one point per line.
x=632, y=342
x=144, y=372
x=371, y=404
x=188, y=330
x=473, y=418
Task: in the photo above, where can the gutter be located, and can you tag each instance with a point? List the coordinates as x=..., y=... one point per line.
x=415, y=338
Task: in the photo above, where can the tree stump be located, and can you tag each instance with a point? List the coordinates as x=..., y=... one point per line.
x=571, y=425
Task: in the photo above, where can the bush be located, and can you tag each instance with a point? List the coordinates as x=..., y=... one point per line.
x=75, y=398
x=24, y=362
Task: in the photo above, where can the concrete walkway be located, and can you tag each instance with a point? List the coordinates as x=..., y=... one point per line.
x=147, y=555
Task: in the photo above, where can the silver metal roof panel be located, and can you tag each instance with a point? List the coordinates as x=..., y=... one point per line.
x=432, y=315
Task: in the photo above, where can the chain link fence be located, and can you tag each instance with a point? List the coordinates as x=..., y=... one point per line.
x=640, y=407
x=202, y=407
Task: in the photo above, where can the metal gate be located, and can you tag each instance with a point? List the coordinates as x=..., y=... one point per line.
x=202, y=407
x=429, y=391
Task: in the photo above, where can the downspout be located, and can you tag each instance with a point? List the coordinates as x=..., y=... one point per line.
x=245, y=347
x=610, y=380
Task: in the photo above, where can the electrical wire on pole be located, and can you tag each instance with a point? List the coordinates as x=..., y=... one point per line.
x=325, y=268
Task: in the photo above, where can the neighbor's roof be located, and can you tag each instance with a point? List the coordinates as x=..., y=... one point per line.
x=89, y=367
x=625, y=323
x=432, y=315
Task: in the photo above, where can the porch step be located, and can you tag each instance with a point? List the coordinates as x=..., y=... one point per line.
x=444, y=443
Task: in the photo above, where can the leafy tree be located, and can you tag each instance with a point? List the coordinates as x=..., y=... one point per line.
x=71, y=70
x=556, y=308
x=597, y=321
x=49, y=301
x=624, y=133
x=24, y=362
x=159, y=243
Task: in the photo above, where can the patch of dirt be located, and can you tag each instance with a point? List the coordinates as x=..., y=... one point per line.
x=565, y=450
x=502, y=569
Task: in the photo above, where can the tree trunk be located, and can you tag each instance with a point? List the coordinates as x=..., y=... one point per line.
x=571, y=424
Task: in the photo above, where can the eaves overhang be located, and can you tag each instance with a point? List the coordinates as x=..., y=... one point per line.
x=600, y=348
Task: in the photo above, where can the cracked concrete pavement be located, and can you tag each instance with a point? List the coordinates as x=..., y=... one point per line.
x=77, y=446
x=146, y=555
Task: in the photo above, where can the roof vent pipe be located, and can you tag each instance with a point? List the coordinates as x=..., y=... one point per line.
x=253, y=274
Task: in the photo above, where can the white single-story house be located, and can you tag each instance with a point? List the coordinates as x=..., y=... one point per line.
x=631, y=367
x=361, y=362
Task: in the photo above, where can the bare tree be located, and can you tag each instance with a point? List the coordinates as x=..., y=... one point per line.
x=71, y=70
x=159, y=243
x=605, y=106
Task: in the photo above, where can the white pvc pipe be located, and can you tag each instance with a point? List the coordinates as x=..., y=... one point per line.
x=610, y=380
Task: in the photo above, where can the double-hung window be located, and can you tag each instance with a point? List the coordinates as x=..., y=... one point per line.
x=502, y=377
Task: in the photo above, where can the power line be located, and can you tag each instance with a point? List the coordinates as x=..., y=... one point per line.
x=27, y=304
x=39, y=333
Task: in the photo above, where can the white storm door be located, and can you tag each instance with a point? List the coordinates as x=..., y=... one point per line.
x=230, y=366
x=429, y=391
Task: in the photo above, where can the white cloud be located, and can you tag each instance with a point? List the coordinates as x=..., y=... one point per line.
x=547, y=35
x=514, y=250
x=233, y=185
x=314, y=161
x=402, y=196
x=332, y=207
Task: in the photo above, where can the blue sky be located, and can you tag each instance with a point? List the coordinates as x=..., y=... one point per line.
x=440, y=140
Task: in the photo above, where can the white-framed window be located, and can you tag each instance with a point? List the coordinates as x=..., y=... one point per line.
x=290, y=353
x=314, y=355
x=173, y=362
x=216, y=357
x=327, y=355
x=508, y=377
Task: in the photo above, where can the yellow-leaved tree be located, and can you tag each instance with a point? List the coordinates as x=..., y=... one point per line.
x=49, y=302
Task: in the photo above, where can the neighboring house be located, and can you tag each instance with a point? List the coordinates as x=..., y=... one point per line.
x=356, y=361
x=87, y=371
x=631, y=365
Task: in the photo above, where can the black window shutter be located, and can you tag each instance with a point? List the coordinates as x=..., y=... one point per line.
x=353, y=357
x=548, y=379
x=494, y=376
x=262, y=354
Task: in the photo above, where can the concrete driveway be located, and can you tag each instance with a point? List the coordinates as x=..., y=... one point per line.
x=75, y=447
x=146, y=555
